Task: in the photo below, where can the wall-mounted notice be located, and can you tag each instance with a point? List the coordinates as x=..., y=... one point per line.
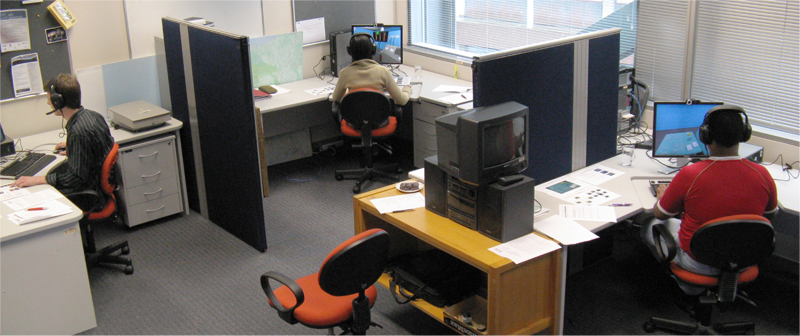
x=14, y=32
x=313, y=30
x=26, y=75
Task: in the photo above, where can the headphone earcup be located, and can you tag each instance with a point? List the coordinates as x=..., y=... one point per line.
x=704, y=134
x=747, y=132
x=57, y=100
x=348, y=50
x=374, y=49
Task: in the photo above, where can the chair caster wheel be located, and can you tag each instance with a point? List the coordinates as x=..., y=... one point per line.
x=125, y=250
x=356, y=189
x=649, y=327
x=128, y=270
x=339, y=177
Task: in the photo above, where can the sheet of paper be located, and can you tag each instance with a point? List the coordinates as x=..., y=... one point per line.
x=588, y=213
x=322, y=90
x=566, y=231
x=458, y=98
x=26, y=75
x=51, y=209
x=402, y=202
x=577, y=192
x=313, y=29
x=9, y=192
x=451, y=88
x=596, y=174
x=541, y=213
x=33, y=199
x=280, y=90
x=524, y=248
x=15, y=31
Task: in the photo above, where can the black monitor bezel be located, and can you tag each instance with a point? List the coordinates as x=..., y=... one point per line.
x=655, y=129
x=353, y=31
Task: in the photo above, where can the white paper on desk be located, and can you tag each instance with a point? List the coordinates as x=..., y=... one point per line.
x=7, y=192
x=566, y=231
x=313, y=29
x=458, y=98
x=451, y=88
x=52, y=209
x=524, y=248
x=596, y=174
x=33, y=199
x=588, y=213
x=576, y=192
x=279, y=90
x=402, y=202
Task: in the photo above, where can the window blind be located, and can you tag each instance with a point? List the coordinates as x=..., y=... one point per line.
x=661, y=47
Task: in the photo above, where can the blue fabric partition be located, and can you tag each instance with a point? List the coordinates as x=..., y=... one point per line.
x=215, y=103
x=545, y=78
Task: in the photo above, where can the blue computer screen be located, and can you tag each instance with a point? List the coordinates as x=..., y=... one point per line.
x=675, y=129
x=388, y=39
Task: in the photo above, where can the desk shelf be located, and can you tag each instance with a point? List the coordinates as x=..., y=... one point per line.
x=521, y=298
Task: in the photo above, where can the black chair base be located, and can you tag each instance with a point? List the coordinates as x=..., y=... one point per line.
x=105, y=258
x=389, y=171
x=696, y=328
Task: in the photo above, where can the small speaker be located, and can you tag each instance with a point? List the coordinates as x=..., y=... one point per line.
x=339, y=56
x=505, y=212
x=435, y=187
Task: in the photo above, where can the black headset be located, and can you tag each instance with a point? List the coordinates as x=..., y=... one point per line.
x=705, y=133
x=374, y=48
x=56, y=99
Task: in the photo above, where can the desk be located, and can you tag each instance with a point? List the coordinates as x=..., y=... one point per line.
x=130, y=141
x=521, y=299
x=292, y=114
x=45, y=286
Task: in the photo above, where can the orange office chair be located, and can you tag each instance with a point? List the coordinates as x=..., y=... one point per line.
x=734, y=244
x=360, y=115
x=341, y=293
x=105, y=210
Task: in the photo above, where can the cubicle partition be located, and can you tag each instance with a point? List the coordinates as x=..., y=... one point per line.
x=570, y=87
x=212, y=94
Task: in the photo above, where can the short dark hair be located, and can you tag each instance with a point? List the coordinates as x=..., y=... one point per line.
x=726, y=127
x=361, y=47
x=68, y=87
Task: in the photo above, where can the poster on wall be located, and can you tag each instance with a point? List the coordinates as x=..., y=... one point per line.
x=26, y=75
x=14, y=31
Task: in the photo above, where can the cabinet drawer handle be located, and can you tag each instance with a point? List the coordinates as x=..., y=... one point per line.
x=156, y=174
x=155, y=192
x=154, y=210
x=144, y=156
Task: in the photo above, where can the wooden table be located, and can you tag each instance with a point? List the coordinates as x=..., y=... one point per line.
x=521, y=298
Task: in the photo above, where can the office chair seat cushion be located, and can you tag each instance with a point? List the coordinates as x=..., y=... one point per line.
x=383, y=131
x=747, y=275
x=320, y=309
x=106, y=212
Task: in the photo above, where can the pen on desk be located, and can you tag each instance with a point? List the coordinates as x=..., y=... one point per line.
x=396, y=211
x=621, y=204
x=463, y=96
x=37, y=209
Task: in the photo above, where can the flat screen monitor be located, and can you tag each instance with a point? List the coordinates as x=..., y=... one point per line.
x=388, y=39
x=675, y=129
x=480, y=145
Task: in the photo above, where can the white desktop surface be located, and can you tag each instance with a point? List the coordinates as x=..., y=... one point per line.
x=45, y=285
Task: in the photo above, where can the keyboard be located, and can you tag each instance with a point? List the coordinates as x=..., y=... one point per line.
x=27, y=166
x=654, y=184
x=403, y=81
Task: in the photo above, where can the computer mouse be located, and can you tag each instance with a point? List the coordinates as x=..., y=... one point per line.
x=59, y=151
x=268, y=89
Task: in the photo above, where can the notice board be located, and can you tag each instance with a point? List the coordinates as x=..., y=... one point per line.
x=338, y=14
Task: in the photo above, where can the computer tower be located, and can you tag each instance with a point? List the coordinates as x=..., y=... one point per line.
x=506, y=212
x=435, y=187
x=339, y=56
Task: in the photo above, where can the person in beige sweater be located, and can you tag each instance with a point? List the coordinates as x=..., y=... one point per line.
x=366, y=73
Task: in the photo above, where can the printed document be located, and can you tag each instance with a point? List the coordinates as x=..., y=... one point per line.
x=399, y=203
x=47, y=210
x=524, y=248
x=566, y=231
x=588, y=213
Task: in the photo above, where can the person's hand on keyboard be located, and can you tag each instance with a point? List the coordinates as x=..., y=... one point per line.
x=29, y=181
x=660, y=191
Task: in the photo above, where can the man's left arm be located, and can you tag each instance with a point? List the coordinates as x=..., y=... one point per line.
x=772, y=206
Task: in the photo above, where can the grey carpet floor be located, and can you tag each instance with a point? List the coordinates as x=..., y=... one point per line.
x=192, y=277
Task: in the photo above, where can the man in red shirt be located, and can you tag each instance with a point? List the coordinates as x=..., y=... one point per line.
x=723, y=185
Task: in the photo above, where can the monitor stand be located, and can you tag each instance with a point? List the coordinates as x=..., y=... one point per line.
x=679, y=163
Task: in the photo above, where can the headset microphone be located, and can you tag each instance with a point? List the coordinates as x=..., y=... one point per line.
x=51, y=112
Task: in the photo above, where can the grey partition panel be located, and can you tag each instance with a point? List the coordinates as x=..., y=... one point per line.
x=569, y=87
x=338, y=14
x=53, y=58
x=221, y=116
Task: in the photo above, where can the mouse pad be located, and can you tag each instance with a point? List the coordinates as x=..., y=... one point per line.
x=681, y=143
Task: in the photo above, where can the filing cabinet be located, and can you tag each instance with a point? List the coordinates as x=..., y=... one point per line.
x=149, y=181
x=425, y=114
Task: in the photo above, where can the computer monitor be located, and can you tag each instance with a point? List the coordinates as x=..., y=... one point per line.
x=479, y=145
x=388, y=39
x=6, y=144
x=675, y=129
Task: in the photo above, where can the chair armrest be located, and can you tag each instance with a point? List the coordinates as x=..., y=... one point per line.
x=287, y=314
x=337, y=116
x=662, y=234
x=398, y=112
x=98, y=200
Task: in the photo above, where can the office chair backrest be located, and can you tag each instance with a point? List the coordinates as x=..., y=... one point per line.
x=107, y=185
x=356, y=264
x=365, y=107
x=733, y=242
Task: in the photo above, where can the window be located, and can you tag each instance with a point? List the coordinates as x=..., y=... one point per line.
x=477, y=27
x=739, y=52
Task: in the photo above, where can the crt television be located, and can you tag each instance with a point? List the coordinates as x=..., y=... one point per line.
x=388, y=39
x=479, y=145
x=675, y=129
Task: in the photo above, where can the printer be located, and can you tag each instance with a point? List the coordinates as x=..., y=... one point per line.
x=138, y=115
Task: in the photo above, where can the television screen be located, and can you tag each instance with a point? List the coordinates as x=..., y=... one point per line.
x=675, y=129
x=388, y=39
x=502, y=142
